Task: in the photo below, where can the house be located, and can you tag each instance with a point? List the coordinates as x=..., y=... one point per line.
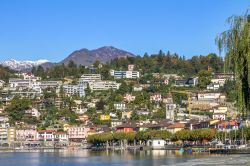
x=129, y=97
x=170, y=111
x=137, y=88
x=213, y=86
x=131, y=67
x=126, y=114
x=115, y=123
x=61, y=136
x=120, y=106
x=219, y=81
x=156, y=97
x=33, y=112
x=46, y=135
x=1, y=83
x=126, y=127
x=190, y=82
x=83, y=118
x=175, y=127
x=156, y=143
x=78, y=133
x=26, y=134
x=209, y=96
x=227, y=76
x=219, y=115
x=227, y=125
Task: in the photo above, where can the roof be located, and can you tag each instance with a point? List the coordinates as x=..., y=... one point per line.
x=176, y=125
x=43, y=131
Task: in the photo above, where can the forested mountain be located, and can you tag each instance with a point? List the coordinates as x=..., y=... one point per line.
x=5, y=73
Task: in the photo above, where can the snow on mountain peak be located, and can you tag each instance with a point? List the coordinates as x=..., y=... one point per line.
x=22, y=65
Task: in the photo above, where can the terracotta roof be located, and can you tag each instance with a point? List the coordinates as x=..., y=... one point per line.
x=176, y=125
x=43, y=131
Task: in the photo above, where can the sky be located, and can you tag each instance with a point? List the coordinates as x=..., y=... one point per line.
x=52, y=29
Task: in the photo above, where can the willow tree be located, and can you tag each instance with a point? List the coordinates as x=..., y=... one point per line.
x=235, y=43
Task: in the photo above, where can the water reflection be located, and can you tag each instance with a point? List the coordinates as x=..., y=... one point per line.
x=87, y=157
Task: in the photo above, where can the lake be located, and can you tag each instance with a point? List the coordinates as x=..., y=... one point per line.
x=117, y=158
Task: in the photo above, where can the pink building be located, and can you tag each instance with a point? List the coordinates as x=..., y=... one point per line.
x=156, y=97
x=26, y=134
x=78, y=133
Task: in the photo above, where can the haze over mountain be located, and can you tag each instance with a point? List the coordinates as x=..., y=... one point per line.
x=83, y=57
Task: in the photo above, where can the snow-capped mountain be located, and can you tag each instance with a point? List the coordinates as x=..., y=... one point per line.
x=22, y=65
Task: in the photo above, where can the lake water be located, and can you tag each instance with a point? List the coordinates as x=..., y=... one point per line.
x=121, y=158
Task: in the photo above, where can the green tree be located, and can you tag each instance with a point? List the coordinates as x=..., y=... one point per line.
x=204, y=78
x=235, y=43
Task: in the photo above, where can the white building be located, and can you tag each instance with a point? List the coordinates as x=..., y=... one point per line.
x=120, y=106
x=33, y=112
x=50, y=84
x=219, y=116
x=86, y=78
x=156, y=97
x=156, y=143
x=1, y=83
x=210, y=96
x=61, y=136
x=74, y=89
x=78, y=133
x=103, y=85
x=46, y=135
x=20, y=83
x=125, y=74
x=170, y=111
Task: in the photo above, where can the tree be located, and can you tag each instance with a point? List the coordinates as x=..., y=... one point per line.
x=204, y=78
x=235, y=43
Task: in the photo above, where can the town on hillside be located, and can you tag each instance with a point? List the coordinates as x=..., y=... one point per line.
x=129, y=102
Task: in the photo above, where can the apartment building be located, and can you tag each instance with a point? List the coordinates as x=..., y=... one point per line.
x=86, y=78
x=125, y=74
x=74, y=89
x=78, y=133
x=103, y=85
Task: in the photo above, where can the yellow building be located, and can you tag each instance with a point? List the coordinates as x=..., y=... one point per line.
x=11, y=135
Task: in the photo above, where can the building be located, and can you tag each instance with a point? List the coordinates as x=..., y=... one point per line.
x=74, y=89
x=1, y=83
x=78, y=133
x=33, y=112
x=170, y=111
x=115, y=123
x=120, y=106
x=131, y=67
x=17, y=83
x=46, y=135
x=219, y=115
x=125, y=74
x=50, y=84
x=61, y=136
x=3, y=135
x=156, y=97
x=103, y=85
x=190, y=82
x=11, y=132
x=156, y=143
x=213, y=86
x=126, y=114
x=26, y=134
x=175, y=127
x=129, y=97
x=86, y=78
x=210, y=96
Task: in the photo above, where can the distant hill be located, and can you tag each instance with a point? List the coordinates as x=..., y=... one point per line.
x=86, y=57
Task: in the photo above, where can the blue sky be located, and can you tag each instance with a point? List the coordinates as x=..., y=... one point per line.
x=52, y=29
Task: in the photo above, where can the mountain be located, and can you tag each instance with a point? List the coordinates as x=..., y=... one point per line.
x=86, y=57
x=22, y=65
